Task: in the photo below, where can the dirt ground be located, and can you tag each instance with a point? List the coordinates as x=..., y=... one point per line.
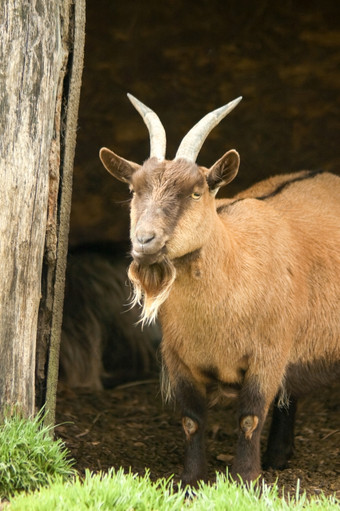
x=129, y=427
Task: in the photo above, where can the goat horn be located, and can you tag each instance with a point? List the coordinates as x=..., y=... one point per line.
x=194, y=139
x=155, y=127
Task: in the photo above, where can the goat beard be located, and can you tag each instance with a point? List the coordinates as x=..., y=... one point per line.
x=151, y=286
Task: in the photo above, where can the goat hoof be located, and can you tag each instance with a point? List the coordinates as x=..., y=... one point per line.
x=276, y=460
x=192, y=481
x=245, y=475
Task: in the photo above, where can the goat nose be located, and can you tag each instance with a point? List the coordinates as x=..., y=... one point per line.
x=145, y=237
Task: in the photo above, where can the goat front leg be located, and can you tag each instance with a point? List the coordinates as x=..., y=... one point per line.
x=281, y=436
x=253, y=407
x=193, y=407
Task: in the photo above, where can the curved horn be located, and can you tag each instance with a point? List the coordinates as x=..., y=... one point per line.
x=155, y=127
x=194, y=139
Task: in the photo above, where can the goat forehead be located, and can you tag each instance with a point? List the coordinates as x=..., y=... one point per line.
x=168, y=178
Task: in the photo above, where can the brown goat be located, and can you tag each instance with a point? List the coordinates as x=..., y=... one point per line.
x=247, y=289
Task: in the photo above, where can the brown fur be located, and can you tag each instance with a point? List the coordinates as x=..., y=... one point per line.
x=254, y=292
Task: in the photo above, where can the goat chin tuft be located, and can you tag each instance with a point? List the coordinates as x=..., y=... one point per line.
x=151, y=285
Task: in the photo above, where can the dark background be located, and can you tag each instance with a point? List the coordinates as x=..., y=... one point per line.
x=185, y=58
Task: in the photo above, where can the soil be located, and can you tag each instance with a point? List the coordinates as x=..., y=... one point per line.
x=129, y=427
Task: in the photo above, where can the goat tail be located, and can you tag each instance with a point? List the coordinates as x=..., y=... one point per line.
x=151, y=285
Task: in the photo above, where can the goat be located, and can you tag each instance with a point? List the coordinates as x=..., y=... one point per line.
x=101, y=345
x=247, y=289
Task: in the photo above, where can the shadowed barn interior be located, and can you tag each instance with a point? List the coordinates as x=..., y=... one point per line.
x=184, y=59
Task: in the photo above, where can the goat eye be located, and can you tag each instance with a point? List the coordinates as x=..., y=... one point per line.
x=196, y=195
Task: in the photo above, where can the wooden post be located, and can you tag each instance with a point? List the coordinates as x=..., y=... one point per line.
x=36, y=44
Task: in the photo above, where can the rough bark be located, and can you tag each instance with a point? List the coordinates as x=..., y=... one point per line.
x=58, y=230
x=34, y=53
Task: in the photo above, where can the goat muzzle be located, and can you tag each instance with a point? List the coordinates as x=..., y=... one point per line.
x=148, y=244
x=148, y=253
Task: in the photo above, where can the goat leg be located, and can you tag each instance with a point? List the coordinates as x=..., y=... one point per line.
x=252, y=413
x=281, y=436
x=193, y=411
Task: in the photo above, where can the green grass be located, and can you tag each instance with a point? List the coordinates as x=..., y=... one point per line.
x=35, y=474
x=29, y=457
x=128, y=492
x=109, y=491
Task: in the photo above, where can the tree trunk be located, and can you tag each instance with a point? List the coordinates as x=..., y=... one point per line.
x=54, y=266
x=34, y=61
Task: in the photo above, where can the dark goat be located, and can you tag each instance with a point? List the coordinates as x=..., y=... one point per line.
x=101, y=343
x=247, y=290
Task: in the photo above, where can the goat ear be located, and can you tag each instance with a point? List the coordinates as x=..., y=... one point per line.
x=120, y=169
x=223, y=171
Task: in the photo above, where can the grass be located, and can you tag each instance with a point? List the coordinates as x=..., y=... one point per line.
x=29, y=457
x=36, y=475
x=117, y=491
x=129, y=492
